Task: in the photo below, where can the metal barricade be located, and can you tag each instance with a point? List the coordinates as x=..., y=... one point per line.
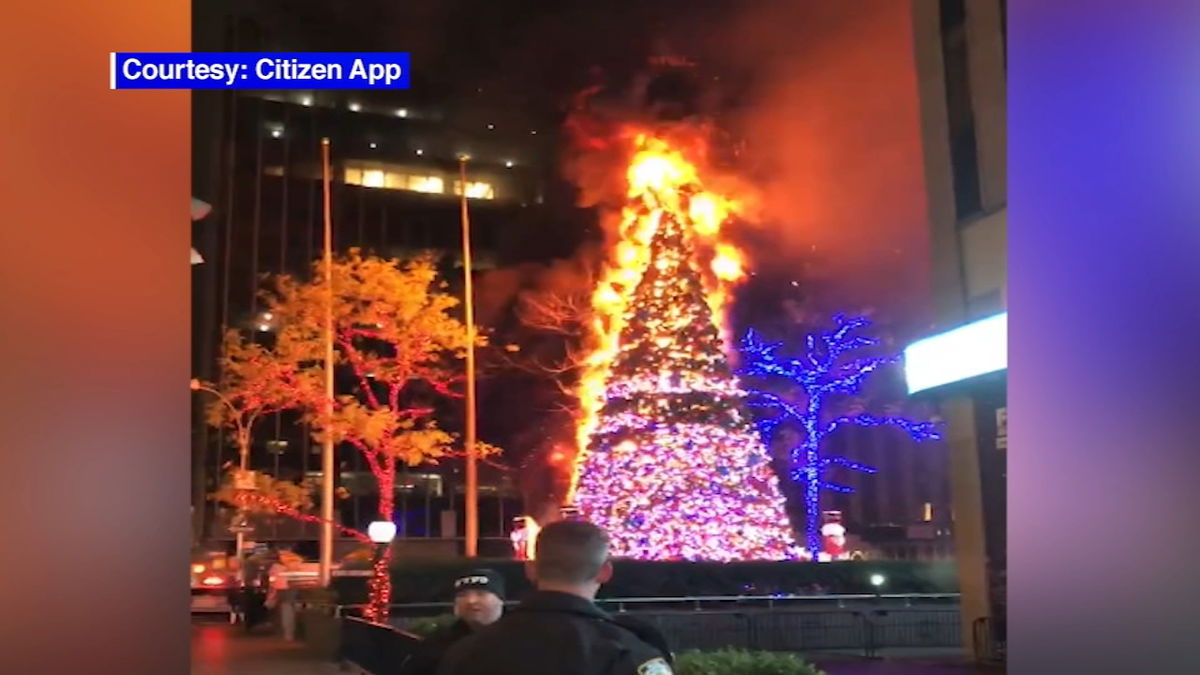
x=863, y=624
x=818, y=630
x=373, y=647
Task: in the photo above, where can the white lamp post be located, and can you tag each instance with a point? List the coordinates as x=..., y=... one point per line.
x=382, y=531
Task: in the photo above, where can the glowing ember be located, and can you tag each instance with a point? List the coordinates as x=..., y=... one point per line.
x=671, y=467
x=727, y=264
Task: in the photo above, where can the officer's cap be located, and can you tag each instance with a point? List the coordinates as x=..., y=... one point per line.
x=481, y=579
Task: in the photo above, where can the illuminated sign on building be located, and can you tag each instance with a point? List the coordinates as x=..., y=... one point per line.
x=968, y=351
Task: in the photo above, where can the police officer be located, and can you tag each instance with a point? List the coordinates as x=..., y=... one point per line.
x=559, y=629
x=478, y=602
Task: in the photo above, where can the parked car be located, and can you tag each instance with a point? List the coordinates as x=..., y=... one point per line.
x=213, y=580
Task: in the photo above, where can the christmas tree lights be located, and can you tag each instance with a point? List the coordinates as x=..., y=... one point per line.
x=827, y=369
x=673, y=468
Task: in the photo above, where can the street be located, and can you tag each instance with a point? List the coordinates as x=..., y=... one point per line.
x=221, y=649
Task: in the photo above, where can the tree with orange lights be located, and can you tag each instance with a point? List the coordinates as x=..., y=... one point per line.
x=272, y=496
x=396, y=341
x=254, y=384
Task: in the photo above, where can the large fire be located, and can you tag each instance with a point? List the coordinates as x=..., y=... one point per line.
x=661, y=180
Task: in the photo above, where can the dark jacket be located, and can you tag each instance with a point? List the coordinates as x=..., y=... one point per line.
x=428, y=655
x=555, y=634
x=646, y=632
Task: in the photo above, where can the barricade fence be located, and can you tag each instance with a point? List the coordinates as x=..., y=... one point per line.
x=708, y=603
x=862, y=624
x=372, y=647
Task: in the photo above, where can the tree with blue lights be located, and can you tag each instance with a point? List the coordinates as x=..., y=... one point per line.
x=832, y=366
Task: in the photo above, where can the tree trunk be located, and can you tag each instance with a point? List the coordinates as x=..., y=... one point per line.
x=812, y=500
x=243, y=442
x=380, y=587
x=387, y=491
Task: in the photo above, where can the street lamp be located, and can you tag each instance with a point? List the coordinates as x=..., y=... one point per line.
x=241, y=429
x=242, y=435
x=381, y=533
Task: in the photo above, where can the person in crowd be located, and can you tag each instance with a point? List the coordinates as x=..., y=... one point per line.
x=236, y=592
x=558, y=628
x=281, y=598
x=254, y=590
x=478, y=602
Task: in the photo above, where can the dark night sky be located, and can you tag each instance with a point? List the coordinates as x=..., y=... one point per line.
x=529, y=56
x=826, y=94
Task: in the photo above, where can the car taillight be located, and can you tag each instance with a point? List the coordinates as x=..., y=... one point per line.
x=213, y=581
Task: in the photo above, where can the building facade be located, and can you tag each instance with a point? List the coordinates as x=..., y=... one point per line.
x=396, y=189
x=962, y=75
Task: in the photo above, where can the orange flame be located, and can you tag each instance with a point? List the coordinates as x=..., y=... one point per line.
x=660, y=180
x=727, y=263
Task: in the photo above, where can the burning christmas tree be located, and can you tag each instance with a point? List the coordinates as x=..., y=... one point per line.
x=673, y=466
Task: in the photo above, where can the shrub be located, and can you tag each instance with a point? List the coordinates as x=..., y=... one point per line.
x=427, y=626
x=742, y=662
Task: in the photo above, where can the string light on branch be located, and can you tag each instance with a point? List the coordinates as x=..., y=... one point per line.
x=247, y=499
x=828, y=368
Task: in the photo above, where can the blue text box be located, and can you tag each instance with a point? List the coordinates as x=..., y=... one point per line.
x=258, y=70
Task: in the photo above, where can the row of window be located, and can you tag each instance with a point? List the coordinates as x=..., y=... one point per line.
x=376, y=176
x=399, y=179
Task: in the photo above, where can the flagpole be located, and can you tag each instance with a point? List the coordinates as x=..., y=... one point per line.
x=327, y=472
x=472, y=496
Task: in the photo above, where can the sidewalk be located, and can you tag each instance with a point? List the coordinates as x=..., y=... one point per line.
x=220, y=649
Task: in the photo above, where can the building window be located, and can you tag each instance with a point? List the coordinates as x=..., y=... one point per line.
x=375, y=175
x=427, y=184
x=476, y=190
x=412, y=179
x=373, y=178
